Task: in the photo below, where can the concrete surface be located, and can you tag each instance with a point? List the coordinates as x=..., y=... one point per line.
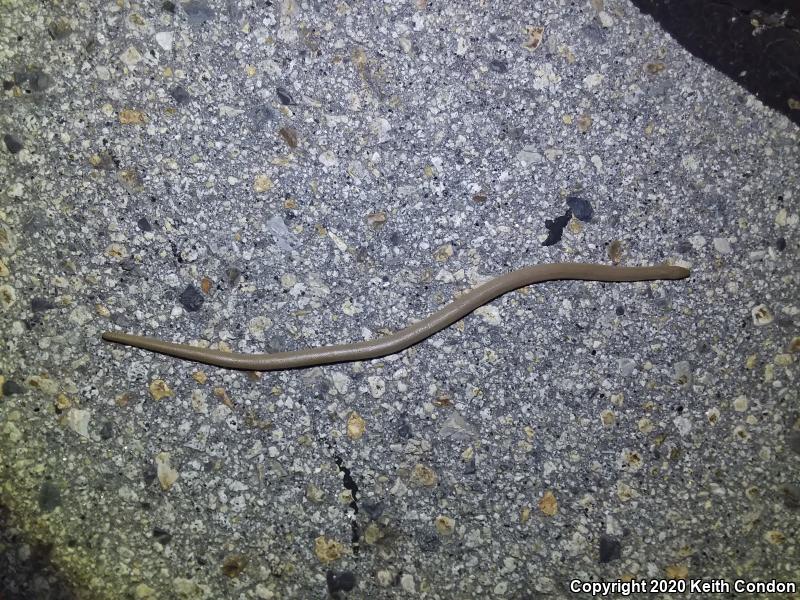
x=267, y=176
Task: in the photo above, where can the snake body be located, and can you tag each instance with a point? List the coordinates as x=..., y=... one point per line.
x=408, y=336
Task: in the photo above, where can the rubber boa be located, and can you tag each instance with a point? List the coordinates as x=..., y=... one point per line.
x=410, y=335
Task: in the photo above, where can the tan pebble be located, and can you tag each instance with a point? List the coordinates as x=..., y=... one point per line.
x=444, y=525
x=376, y=220
x=262, y=184
x=655, y=68
x=740, y=404
x=626, y=492
x=167, y=475
x=575, y=226
x=632, y=459
x=233, y=565
x=761, y=315
x=584, y=123
x=443, y=253
x=102, y=310
x=314, y=493
x=62, y=402
x=4, y=272
x=535, y=35
x=740, y=433
x=129, y=116
x=200, y=377
x=775, y=537
x=615, y=251
x=645, y=425
x=372, y=533
x=784, y=360
x=289, y=136
x=328, y=550
x=159, y=389
x=751, y=361
x=422, y=475
x=524, y=514
x=8, y=296
x=205, y=285
x=356, y=426
x=607, y=418
x=677, y=572
x=222, y=395
x=712, y=414
x=548, y=504
x=794, y=345
x=793, y=103
x=116, y=252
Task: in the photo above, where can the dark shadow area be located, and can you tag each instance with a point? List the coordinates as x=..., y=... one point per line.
x=754, y=42
x=26, y=572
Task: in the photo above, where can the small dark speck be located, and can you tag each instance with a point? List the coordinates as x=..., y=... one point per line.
x=168, y=6
x=144, y=224
x=780, y=244
x=620, y=310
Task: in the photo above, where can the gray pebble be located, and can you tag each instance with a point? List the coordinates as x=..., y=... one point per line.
x=198, y=11
x=373, y=508
x=498, y=66
x=11, y=388
x=626, y=366
x=162, y=536
x=13, y=145
x=794, y=441
x=610, y=549
x=144, y=224
x=581, y=209
x=180, y=95
x=191, y=298
x=233, y=274
x=791, y=496
x=107, y=431
x=41, y=304
x=49, y=497
x=340, y=582
x=284, y=96
x=261, y=115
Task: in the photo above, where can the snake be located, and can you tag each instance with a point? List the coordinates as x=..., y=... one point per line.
x=415, y=333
